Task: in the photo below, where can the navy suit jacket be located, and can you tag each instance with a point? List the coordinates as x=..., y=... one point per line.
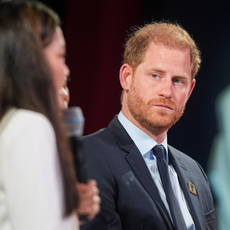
x=130, y=199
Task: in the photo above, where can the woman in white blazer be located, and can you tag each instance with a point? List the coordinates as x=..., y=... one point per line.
x=37, y=181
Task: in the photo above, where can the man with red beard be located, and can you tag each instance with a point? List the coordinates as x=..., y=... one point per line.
x=126, y=158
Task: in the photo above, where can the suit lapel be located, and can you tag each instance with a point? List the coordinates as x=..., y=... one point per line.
x=138, y=166
x=141, y=171
x=192, y=200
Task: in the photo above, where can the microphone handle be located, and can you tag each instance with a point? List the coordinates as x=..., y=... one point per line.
x=79, y=159
x=80, y=165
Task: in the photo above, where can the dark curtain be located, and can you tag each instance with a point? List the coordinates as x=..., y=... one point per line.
x=95, y=32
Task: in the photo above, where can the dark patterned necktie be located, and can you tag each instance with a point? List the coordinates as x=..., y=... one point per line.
x=162, y=165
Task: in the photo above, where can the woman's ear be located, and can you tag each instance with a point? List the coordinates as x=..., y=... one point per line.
x=125, y=76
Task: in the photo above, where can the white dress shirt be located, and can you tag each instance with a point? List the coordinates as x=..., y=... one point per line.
x=145, y=144
x=31, y=190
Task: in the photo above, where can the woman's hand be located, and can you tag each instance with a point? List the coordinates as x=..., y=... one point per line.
x=89, y=199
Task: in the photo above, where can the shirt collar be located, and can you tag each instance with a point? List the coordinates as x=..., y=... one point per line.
x=143, y=141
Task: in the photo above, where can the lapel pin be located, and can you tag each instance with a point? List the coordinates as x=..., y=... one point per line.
x=192, y=188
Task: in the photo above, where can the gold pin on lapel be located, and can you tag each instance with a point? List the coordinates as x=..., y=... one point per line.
x=192, y=188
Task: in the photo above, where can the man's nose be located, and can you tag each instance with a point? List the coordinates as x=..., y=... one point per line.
x=166, y=88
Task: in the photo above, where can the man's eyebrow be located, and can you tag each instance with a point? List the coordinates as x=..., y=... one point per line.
x=156, y=70
x=159, y=70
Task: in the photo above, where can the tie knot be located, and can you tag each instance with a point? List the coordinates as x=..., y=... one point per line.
x=158, y=151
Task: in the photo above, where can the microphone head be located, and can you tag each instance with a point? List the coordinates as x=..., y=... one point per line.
x=74, y=120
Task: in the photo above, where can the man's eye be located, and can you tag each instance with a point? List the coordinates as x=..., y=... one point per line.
x=177, y=81
x=154, y=75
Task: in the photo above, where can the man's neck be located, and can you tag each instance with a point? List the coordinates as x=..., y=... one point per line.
x=158, y=137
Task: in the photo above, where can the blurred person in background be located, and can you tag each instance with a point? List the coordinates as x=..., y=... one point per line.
x=38, y=188
x=219, y=161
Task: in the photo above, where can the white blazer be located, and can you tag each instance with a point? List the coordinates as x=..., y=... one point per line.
x=31, y=190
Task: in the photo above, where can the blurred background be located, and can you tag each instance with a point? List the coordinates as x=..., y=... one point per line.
x=95, y=33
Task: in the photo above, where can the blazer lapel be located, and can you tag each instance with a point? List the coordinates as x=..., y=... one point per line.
x=138, y=166
x=192, y=200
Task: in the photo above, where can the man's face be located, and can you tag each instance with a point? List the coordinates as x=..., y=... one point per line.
x=160, y=88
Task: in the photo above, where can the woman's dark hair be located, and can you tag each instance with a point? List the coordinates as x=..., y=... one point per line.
x=25, y=77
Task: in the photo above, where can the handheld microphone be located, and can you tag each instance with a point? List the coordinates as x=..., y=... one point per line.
x=74, y=120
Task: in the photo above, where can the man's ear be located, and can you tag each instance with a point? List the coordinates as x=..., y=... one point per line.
x=125, y=76
x=191, y=88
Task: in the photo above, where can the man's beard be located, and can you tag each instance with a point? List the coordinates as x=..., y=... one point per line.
x=155, y=120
